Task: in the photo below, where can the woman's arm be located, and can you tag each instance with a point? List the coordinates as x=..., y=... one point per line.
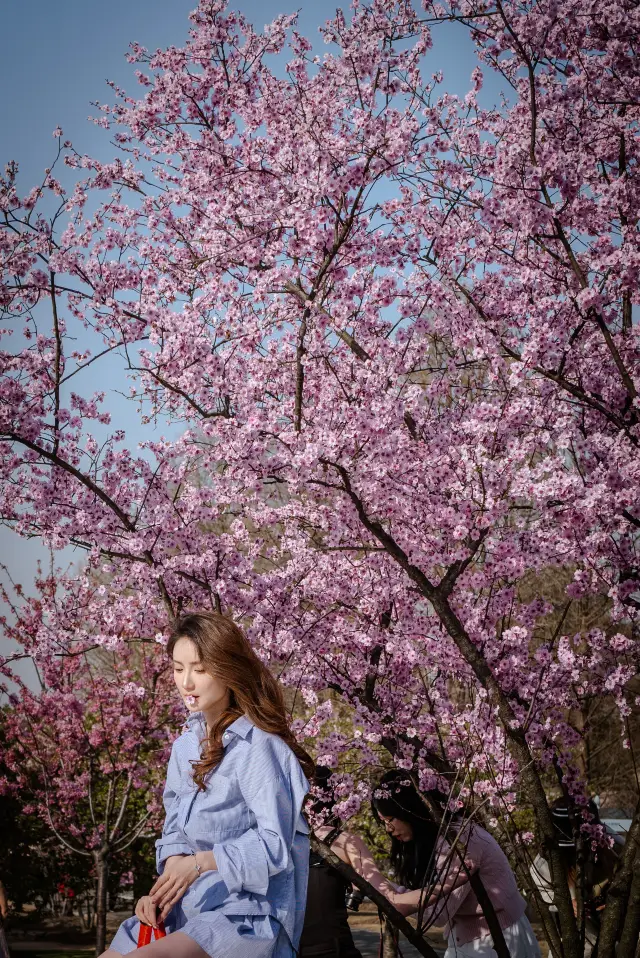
x=273, y=786
x=353, y=850
x=448, y=896
x=175, y=862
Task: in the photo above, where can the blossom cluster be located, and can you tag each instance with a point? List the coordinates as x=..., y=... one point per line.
x=398, y=330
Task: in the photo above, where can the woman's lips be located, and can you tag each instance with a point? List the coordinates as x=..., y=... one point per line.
x=191, y=699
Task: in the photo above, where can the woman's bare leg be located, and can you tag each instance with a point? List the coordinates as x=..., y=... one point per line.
x=176, y=945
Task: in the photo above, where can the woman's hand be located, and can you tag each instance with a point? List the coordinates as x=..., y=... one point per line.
x=146, y=911
x=179, y=873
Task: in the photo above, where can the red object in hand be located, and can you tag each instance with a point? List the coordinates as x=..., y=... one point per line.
x=144, y=935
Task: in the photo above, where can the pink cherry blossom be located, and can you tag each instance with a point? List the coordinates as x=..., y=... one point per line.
x=396, y=327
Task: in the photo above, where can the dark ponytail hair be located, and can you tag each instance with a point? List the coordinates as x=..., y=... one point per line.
x=396, y=797
x=322, y=805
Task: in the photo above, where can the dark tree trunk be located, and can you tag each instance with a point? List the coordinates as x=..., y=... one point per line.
x=4, y=948
x=630, y=936
x=102, y=874
x=389, y=938
x=618, y=893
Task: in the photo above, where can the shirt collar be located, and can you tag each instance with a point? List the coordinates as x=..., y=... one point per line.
x=195, y=722
x=242, y=725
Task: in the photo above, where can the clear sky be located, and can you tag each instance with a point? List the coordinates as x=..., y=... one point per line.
x=56, y=57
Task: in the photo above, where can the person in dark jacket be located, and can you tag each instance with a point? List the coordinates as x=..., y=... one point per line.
x=326, y=932
x=599, y=866
x=4, y=910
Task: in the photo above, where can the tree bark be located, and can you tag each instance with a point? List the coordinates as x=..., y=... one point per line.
x=630, y=936
x=4, y=948
x=388, y=938
x=101, y=860
x=618, y=893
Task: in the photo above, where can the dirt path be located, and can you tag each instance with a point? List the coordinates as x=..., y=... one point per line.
x=369, y=942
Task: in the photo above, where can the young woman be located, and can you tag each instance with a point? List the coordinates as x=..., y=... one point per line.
x=421, y=858
x=326, y=932
x=233, y=858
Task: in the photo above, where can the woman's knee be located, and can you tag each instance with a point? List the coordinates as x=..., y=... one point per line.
x=110, y=954
x=176, y=945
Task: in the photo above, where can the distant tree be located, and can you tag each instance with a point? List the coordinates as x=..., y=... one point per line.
x=86, y=754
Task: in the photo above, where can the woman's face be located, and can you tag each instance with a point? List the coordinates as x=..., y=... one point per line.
x=396, y=827
x=200, y=691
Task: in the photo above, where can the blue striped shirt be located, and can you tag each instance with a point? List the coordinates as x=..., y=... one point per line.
x=249, y=816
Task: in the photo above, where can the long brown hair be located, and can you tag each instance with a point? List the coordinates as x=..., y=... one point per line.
x=225, y=652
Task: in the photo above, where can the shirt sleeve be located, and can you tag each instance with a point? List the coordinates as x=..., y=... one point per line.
x=541, y=875
x=172, y=841
x=450, y=891
x=451, y=874
x=274, y=787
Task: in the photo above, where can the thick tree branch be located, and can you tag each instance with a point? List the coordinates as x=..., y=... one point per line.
x=346, y=337
x=514, y=733
x=82, y=478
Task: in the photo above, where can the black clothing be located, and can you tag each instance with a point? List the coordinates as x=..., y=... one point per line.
x=326, y=932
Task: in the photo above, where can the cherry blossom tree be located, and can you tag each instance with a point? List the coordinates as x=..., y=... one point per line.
x=398, y=329
x=87, y=751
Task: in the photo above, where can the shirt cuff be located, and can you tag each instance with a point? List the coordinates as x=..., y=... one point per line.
x=242, y=864
x=166, y=849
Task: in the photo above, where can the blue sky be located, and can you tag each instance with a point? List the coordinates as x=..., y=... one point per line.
x=56, y=58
